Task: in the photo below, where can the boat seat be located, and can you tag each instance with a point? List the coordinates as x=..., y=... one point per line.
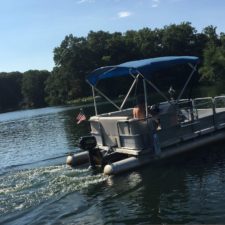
x=109, y=129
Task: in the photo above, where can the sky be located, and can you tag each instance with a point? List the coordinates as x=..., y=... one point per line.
x=31, y=29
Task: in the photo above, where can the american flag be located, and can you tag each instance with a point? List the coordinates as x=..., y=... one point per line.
x=81, y=117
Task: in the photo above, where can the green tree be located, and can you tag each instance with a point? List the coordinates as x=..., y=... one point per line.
x=10, y=90
x=73, y=58
x=33, y=87
x=213, y=67
x=76, y=57
x=210, y=33
x=178, y=39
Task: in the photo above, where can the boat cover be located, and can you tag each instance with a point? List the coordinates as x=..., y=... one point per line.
x=145, y=66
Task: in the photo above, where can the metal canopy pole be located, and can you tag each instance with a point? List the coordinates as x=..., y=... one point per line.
x=125, y=99
x=189, y=78
x=146, y=100
x=107, y=98
x=157, y=90
x=93, y=92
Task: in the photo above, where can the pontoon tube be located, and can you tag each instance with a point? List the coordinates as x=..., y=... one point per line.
x=78, y=159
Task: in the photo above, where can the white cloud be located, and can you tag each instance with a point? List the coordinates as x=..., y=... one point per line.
x=174, y=1
x=124, y=14
x=155, y=3
x=85, y=1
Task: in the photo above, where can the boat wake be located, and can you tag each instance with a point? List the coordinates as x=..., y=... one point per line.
x=26, y=188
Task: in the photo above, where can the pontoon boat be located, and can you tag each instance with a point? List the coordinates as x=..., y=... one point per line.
x=118, y=142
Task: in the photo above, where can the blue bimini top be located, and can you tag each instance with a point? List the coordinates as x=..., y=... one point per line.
x=145, y=66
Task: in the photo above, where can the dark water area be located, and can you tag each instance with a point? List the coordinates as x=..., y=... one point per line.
x=36, y=187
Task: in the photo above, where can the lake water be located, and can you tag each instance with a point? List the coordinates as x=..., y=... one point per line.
x=36, y=187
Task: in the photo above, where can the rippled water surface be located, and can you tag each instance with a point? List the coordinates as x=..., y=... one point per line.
x=36, y=187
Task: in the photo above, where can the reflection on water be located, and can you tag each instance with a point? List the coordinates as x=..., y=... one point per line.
x=37, y=188
x=37, y=137
x=185, y=190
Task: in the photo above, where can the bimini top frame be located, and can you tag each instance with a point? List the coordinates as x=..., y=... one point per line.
x=140, y=68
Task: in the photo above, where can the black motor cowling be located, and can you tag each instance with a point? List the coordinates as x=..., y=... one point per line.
x=87, y=142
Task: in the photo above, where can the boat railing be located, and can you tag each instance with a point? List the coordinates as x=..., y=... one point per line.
x=219, y=110
x=212, y=109
x=201, y=108
x=204, y=106
x=219, y=103
x=196, y=117
x=186, y=112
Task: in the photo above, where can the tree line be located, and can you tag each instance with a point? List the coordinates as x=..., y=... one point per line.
x=23, y=90
x=78, y=56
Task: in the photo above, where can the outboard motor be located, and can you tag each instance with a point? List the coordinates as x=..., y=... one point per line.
x=88, y=143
